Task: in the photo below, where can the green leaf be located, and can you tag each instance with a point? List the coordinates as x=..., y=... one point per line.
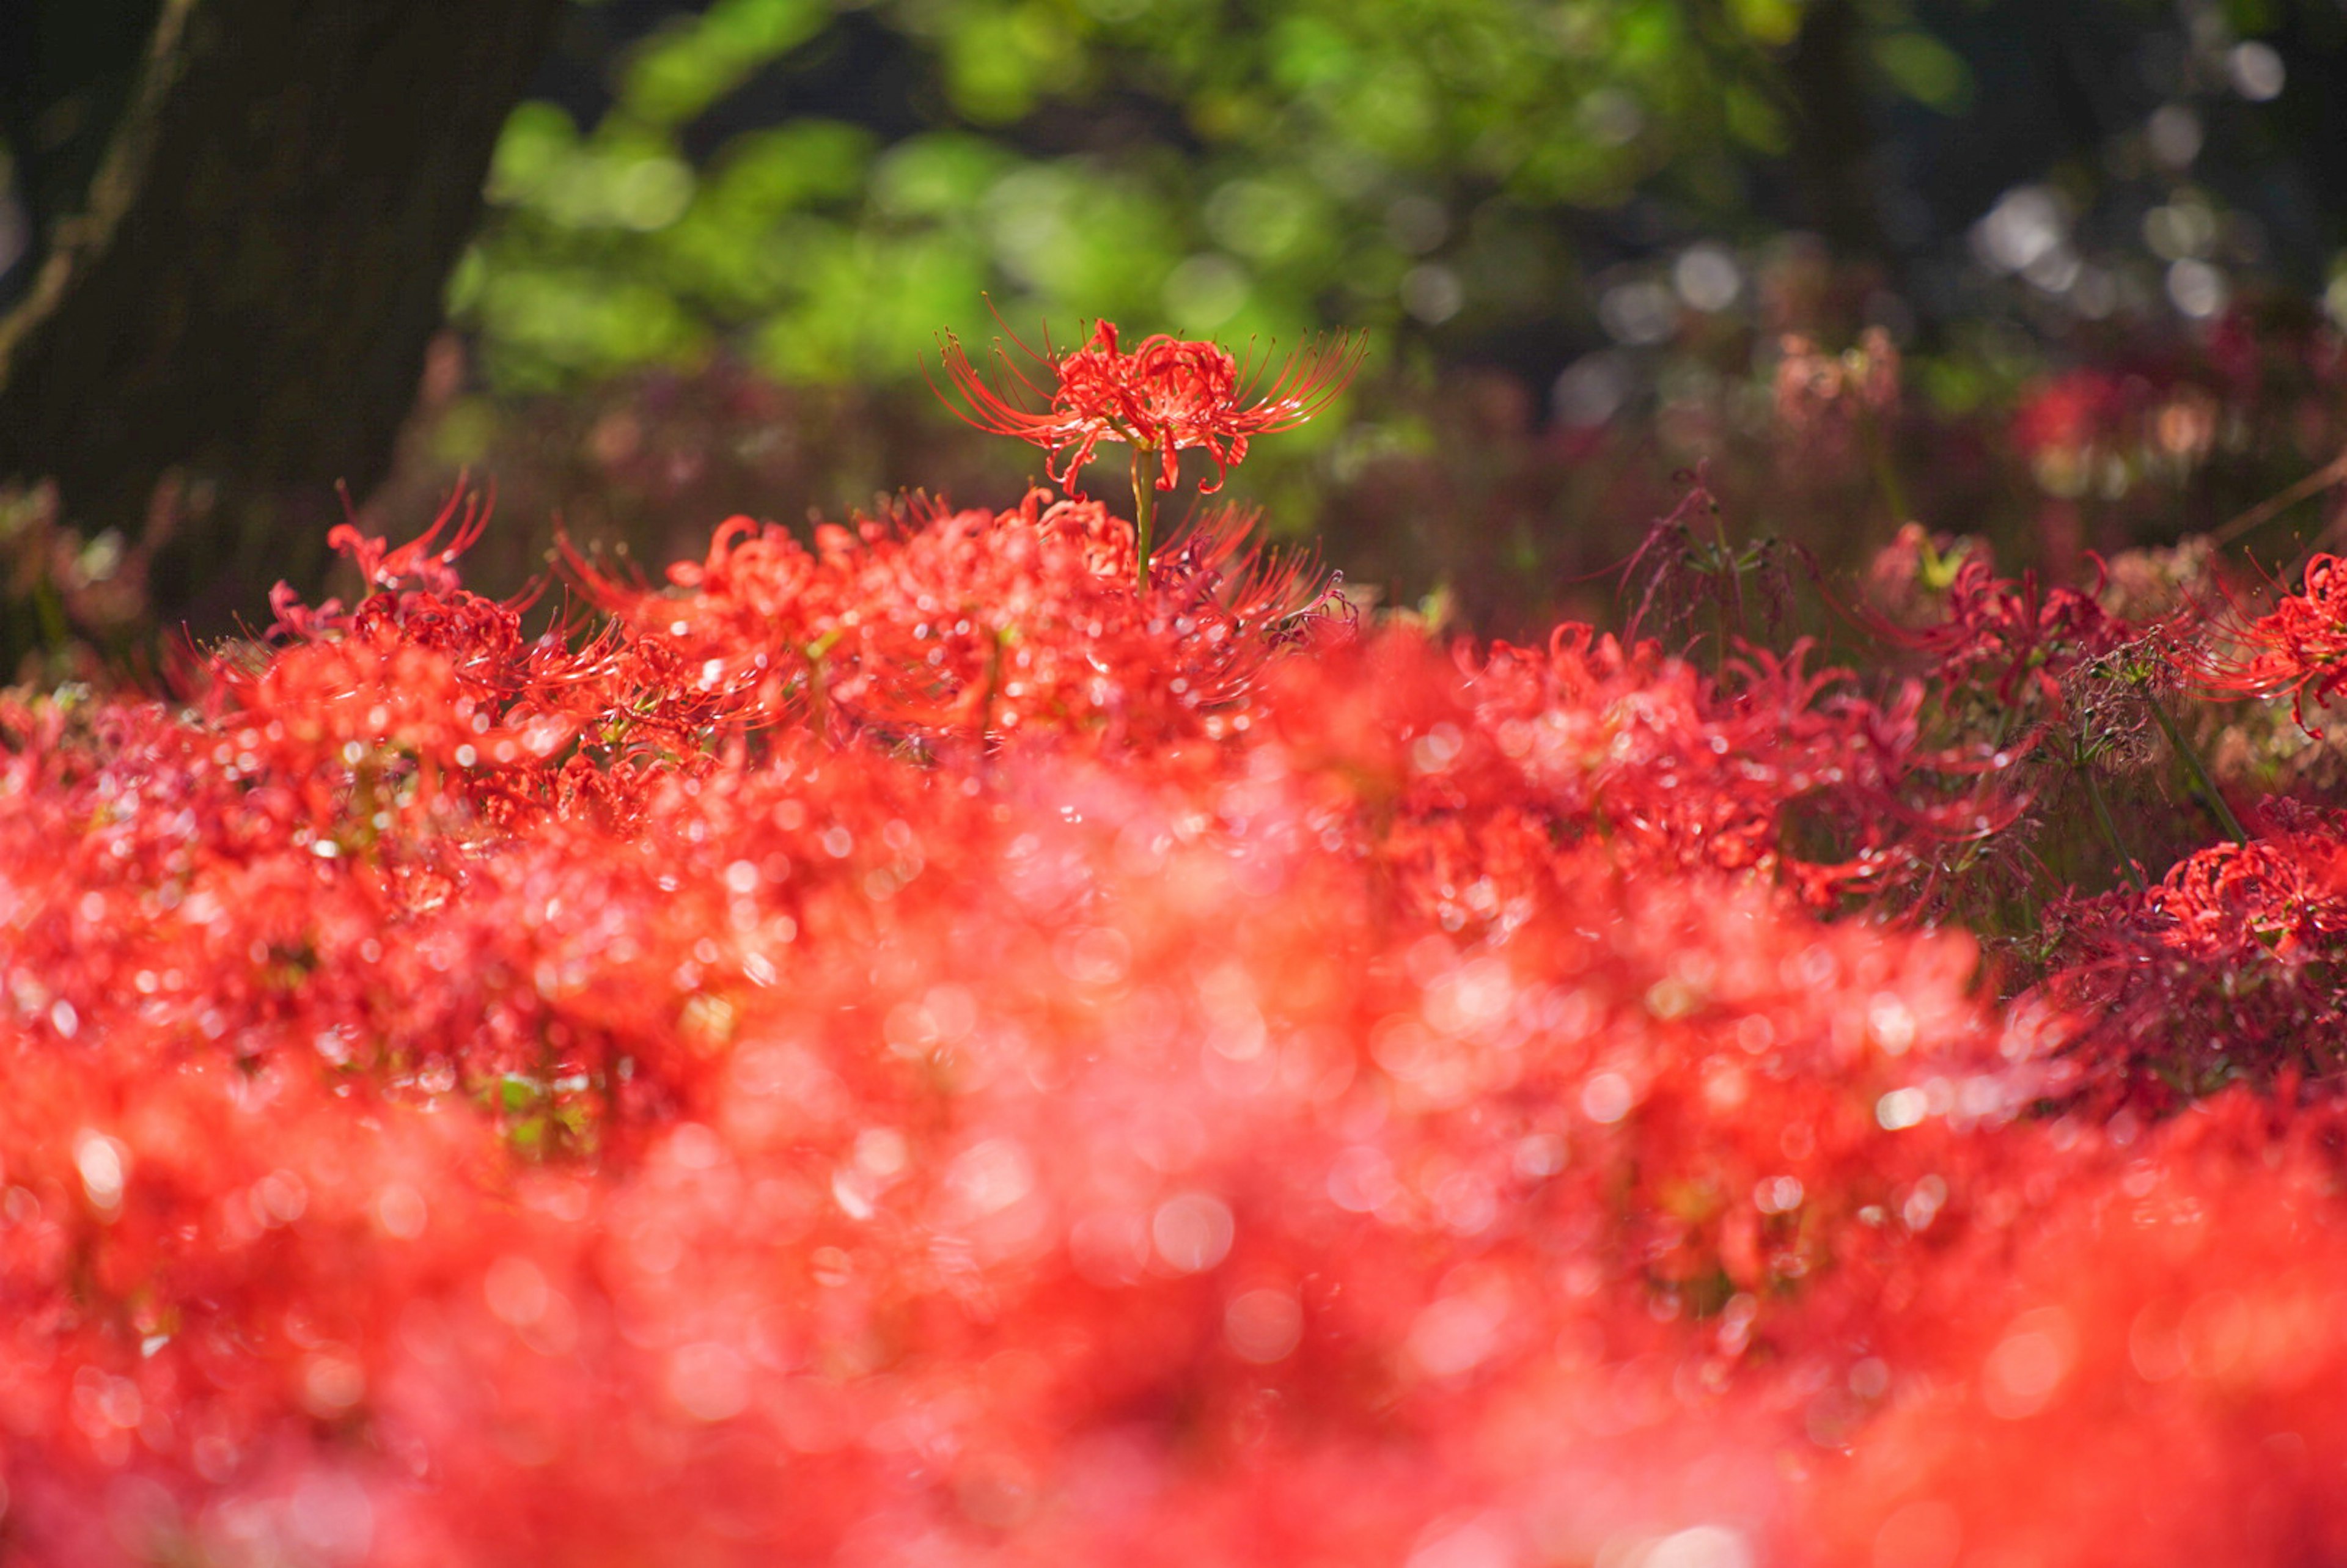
x=766, y=173
x=941, y=174
x=1925, y=70
x=674, y=77
x=1770, y=22
x=539, y=138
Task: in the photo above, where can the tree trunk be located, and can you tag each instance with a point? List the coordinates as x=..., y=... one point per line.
x=239, y=315
x=1833, y=133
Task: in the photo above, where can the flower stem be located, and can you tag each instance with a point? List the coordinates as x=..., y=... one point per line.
x=2110, y=828
x=2184, y=748
x=1886, y=472
x=1145, y=513
x=49, y=609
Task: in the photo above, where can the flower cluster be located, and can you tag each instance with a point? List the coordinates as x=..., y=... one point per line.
x=2009, y=642
x=2096, y=428
x=2226, y=970
x=1812, y=385
x=477, y=1098
x=923, y=1044
x=941, y=628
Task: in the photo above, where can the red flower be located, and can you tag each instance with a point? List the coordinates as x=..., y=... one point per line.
x=2014, y=631
x=1167, y=395
x=2300, y=644
x=2073, y=413
x=2226, y=970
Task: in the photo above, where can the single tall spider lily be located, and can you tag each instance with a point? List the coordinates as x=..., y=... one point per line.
x=1164, y=397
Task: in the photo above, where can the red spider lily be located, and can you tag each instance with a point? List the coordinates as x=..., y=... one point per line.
x=1166, y=396
x=2011, y=636
x=1811, y=384
x=2226, y=970
x=2301, y=645
x=2073, y=413
x=947, y=629
x=697, y=1091
x=434, y=570
x=392, y=1102
x=2134, y=1348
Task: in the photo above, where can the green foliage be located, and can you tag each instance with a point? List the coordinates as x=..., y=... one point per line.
x=1925, y=69
x=1447, y=173
x=1369, y=161
x=692, y=63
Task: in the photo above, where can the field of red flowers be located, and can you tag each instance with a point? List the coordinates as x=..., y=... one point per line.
x=944, y=1047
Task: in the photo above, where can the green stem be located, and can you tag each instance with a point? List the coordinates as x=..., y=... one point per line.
x=51, y=611
x=2184, y=748
x=1886, y=472
x=1732, y=585
x=1144, y=512
x=2110, y=828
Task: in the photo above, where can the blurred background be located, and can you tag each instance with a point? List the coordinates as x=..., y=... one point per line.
x=2066, y=276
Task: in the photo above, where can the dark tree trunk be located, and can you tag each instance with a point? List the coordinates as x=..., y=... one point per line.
x=1833, y=133
x=240, y=312
x=67, y=69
